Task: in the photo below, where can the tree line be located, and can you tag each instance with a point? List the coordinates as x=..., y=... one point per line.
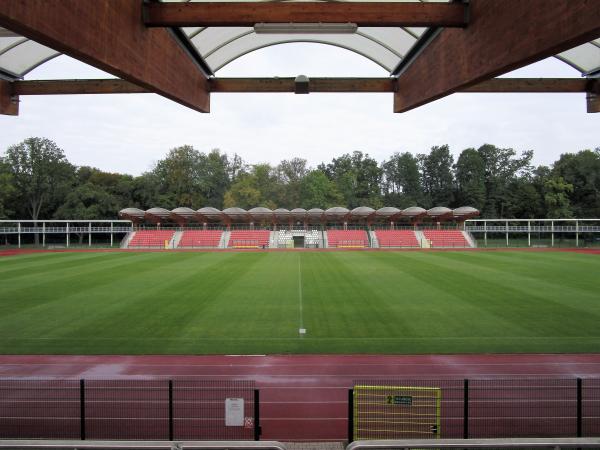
x=37, y=181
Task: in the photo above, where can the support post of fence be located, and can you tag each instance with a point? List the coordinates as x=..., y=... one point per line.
x=257, y=430
x=350, y=415
x=171, y=438
x=82, y=409
x=579, y=408
x=466, y=410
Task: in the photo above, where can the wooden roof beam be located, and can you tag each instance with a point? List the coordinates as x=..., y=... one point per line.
x=501, y=36
x=247, y=14
x=9, y=103
x=110, y=35
x=318, y=84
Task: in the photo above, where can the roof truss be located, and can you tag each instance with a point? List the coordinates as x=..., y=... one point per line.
x=247, y=14
x=501, y=36
x=110, y=35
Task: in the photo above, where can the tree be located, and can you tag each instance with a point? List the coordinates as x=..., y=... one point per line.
x=6, y=189
x=290, y=174
x=501, y=167
x=402, y=180
x=318, y=191
x=470, y=179
x=436, y=172
x=557, y=198
x=358, y=178
x=257, y=188
x=179, y=178
x=41, y=176
x=582, y=170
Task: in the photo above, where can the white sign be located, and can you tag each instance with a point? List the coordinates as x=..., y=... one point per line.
x=234, y=412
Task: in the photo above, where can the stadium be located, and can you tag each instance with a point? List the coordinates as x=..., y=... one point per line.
x=402, y=325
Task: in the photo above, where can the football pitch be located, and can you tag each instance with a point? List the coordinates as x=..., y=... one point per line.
x=256, y=303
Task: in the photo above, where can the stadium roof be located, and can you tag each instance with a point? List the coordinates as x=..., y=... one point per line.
x=316, y=215
x=218, y=46
x=175, y=47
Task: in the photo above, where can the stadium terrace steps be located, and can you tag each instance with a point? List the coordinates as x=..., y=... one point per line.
x=446, y=238
x=200, y=238
x=397, y=238
x=127, y=239
x=347, y=239
x=249, y=239
x=151, y=238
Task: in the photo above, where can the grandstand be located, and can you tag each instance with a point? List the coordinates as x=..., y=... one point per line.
x=152, y=239
x=249, y=239
x=446, y=238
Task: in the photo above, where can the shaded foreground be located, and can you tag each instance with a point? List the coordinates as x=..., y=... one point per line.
x=255, y=303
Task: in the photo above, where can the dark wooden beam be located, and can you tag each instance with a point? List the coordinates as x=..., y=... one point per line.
x=531, y=85
x=65, y=87
x=501, y=36
x=314, y=85
x=9, y=103
x=274, y=85
x=246, y=14
x=110, y=35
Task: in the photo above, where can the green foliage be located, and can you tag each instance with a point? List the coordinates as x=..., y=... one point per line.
x=37, y=181
x=557, y=198
x=318, y=191
x=41, y=176
x=438, y=180
x=402, y=184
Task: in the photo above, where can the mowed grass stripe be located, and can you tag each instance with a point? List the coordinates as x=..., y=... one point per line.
x=412, y=302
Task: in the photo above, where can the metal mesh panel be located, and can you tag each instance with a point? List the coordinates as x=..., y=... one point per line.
x=590, y=411
x=37, y=409
x=522, y=408
x=199, y=409
x=127, y=409
x=406, y=409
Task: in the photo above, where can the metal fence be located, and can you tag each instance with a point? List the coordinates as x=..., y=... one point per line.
x=479, y=408
x=126, y=409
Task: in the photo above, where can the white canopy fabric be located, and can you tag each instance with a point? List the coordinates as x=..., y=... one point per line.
x=221, y=45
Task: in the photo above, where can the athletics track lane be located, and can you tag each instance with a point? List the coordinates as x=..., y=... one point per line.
x=303, y=397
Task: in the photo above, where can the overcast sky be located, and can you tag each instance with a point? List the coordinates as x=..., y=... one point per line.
x=128, y=133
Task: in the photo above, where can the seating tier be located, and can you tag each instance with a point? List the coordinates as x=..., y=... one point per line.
x=396, y=238
x=347, y=238
x=151, y=238
x=249, y=239
x=446, y=238
x=200, y=238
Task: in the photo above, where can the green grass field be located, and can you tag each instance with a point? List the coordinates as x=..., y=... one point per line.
x=254, y=303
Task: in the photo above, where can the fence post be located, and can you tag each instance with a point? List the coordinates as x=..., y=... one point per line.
x=579, y=408
x=466, y=410
x=82, y=408
x=171, y=410
x=257, y=430
x=350, y=415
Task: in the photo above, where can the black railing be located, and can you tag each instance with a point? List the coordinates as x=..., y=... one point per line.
x=126, y=409
x=476, y=408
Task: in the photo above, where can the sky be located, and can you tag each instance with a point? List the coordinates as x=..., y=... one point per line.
x=128, y=133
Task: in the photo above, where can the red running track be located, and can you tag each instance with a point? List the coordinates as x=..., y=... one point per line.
x=303, y=397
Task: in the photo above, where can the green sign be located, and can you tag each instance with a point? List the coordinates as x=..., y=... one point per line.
x=399, y=400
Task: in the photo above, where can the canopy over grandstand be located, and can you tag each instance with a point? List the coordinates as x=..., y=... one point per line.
x=261, y=214
x=430, y=48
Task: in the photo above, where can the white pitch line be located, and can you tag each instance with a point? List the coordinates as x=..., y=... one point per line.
x=300, y=295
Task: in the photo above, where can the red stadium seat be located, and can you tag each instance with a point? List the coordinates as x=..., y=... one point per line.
x=347, y=238
x=446, y=238
x=151, y=238
x=200, y=238
x=396, y=238
x=249, y=239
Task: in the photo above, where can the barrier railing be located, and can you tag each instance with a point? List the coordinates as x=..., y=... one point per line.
x=556, y=443
x=143, y=445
